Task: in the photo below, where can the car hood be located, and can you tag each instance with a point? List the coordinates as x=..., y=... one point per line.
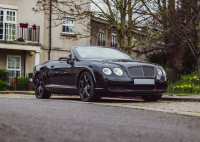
x=124, y=63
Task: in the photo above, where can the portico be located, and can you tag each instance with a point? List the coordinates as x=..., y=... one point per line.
x=19, y=57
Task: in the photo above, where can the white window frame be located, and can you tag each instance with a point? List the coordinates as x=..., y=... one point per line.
x=19, y=64
x=101, y=38
x=71, y=25
x=8, y=22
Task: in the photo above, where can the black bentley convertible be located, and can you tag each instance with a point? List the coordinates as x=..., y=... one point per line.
x=93, y=72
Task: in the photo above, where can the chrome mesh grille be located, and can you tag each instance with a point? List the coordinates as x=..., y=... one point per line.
x=148, y=71
x=141, y=71
x=135, y=71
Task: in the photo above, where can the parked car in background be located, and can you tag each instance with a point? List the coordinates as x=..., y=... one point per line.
x=94, y=71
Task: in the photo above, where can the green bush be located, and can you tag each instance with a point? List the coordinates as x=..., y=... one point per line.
x=192, y=78
x=20, y=39
x=3, y=85
x=4, y=74
x=187, y=84
x=22, y=84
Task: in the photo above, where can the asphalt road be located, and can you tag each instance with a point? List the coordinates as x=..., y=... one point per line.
x=33, y=120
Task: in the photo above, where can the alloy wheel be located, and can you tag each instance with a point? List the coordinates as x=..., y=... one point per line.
x=85, y=86
x=39, y=87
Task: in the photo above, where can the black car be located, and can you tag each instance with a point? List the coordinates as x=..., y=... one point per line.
x=93, y=72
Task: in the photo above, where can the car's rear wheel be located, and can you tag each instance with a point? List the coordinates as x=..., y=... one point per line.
x=151, y=98
x=40, y=91
x=86, y=88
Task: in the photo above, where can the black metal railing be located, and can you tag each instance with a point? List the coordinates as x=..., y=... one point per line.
x=22, y=82
x=14, y=32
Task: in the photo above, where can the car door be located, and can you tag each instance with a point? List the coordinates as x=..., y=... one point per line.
x=61, y=74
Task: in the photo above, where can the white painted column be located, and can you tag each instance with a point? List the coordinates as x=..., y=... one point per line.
x=37, y=58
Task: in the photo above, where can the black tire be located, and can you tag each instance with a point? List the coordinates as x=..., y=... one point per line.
x=151, y=98
x=40, y=91
x=86, y=88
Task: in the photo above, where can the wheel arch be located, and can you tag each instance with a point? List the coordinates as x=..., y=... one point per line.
x=85, y=70
x=36, y=74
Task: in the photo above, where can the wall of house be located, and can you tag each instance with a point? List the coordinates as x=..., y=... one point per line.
x=4, y=55
x=66, y=41
x=96, y=27
x=30, y=63
x=55, y=54
x=30, y=60
x=26, y=14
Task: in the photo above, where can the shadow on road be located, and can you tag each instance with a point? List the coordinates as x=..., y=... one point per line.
x=102, y=100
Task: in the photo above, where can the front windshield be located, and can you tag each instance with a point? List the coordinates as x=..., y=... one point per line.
x=101, y=53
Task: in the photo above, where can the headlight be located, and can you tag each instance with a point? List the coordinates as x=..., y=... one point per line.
x=159, y=73
x=118, y=71
x=107, y=71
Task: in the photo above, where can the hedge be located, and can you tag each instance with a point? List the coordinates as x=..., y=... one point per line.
x=4, y=74
x=3, y=85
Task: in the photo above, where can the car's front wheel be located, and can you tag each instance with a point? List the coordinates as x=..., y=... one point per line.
x=151, y=98
x=86, y=88
x=40, y=91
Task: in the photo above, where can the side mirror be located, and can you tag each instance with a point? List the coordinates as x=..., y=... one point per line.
x=71, y=62
x=68, y=59
x=64, y=58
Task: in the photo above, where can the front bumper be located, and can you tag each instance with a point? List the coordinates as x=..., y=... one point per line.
x=131, y=89
x=115, y=85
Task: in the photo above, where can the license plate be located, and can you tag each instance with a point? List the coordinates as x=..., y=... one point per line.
x=144, y=81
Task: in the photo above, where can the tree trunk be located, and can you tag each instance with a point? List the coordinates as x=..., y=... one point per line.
x=198, y=48
x=198, y=66
x=197, y=28
x=122, y=33
x=122, y=42
x=174, y=50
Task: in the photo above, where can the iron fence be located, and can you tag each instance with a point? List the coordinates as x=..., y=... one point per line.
x=23, y=82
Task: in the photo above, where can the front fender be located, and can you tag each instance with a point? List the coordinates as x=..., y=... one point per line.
x=94, y=71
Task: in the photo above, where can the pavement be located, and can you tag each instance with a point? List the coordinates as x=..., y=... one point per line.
x=18, y=92
x=185, y=105
x=195, y=97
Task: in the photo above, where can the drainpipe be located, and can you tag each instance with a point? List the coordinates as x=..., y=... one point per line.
x=50, y=29
x=24, y=63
